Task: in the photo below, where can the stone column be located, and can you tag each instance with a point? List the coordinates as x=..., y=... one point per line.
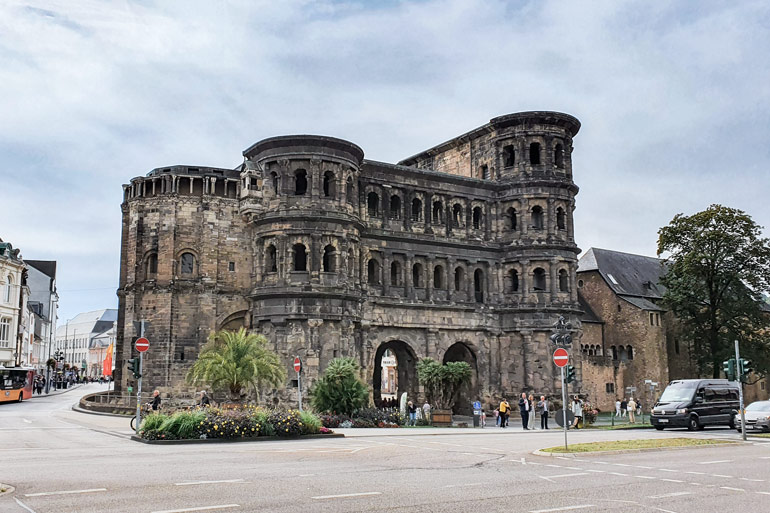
x=450, y=278
x=573, y=295
x=524, y=281
x=428, y=214
x=432, y=343
x=554, y=279
x=408, y=277
x=527, y=353
x=386, y=272
x=570, y=224
x=429, y=278
x=281, y=254
x=314, y=262
x=524, y=216
x=551, y=217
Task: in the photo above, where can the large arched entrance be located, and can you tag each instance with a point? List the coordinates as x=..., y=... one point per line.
x=396, y=362
x=460, y=352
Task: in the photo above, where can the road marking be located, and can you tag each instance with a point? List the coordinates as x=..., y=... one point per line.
x=552, y=465
x=67, y=492
x=646, y=477
x=27, y=421
x=733, y=489
x=191, y=483
x=662, y=510
x=617, y=474
x=596, y=471
x=306, y=475
x=569, y=475
x=565, y=508
x=200, y=508
x=642, y=467
x=713, y=462
x=696, y=473
x=672, y=494
x=672, y=480
x=667, y=470
x=764, y=493
x=752, y=480
x=622, y=465
x=722, y=475
x=24, y=505
x=343, y=495
x=462, y=485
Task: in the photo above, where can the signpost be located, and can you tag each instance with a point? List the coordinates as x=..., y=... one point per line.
x=298, y=369
x=560, y=359
x=141, y=345
x=740, y=391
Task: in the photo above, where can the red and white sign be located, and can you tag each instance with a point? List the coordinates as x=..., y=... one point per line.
x=297, y=364
x=142, y=344
x=560, y=357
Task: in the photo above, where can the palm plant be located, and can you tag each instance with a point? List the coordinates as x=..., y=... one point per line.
x=235, y=360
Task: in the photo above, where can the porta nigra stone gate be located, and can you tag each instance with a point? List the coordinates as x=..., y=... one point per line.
x=465, y=251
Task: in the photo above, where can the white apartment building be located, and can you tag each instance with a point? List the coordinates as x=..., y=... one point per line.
x=11, y=288
x=75, y=338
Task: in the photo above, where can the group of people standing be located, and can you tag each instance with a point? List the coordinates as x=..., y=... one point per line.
x=527, y=409
x=631, y=407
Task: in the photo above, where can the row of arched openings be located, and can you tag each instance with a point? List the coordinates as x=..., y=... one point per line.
x=300, y=258
x=509, y=155
x=373, y=269
x=591, y=349
x=416, y=211
x=537, y=216
x=186, y=264
x=302, y=185
x=539, y=281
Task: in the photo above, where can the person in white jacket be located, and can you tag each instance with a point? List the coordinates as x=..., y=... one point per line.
x=577, y=410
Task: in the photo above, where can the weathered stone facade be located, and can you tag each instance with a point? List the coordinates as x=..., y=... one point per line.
x=463, y=252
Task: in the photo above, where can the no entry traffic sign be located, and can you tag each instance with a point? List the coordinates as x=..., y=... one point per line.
x=297, y=364
x=142, y=344
x=560, y=357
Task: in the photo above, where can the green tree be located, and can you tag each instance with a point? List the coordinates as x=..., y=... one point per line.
x=339, y=389
x=236, y=360
x=718, y=270
x=443, y=382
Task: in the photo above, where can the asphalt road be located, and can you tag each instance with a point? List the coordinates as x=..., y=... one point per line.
x=62, y=461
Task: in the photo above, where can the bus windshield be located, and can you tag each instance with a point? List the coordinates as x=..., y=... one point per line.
x=678, y=393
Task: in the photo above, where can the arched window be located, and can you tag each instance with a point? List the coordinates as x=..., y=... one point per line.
x=438, y=213
x=537, y=217
x=513, y=280
x=630, y=352
x=539, y=279
x=271, y=262
x=187, y=263
x=438, y=277
x=373, y=272
x=614, y=352
x=558, y=156
x=563, y=281
x=459, y=278
x=484, y=173
x=330, y=259
x=477, y=217
x=622, y=354
x=152, y=264
x=416, y=210
x=457, y=215
x=276, y=182
x=300, y=257
x=417, y=275
x=511, y=218
x=478, y=285
x=329, y=185
x=395, y=274
x=300, y=182
x=561, y=217
x=349, y=192
x=5, y=331
x=372, y=204
x=395, y=207
x=352, y=267
x=509, y=156
x=534, y=154
x=9, y=289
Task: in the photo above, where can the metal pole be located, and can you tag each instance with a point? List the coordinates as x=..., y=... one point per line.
x=139, y=384
x=299, y=387
x=564, y=405
x=740, y=390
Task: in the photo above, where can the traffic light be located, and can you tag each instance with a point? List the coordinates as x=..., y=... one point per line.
x=555, y=338
x=745, y=368
x=570, y=376
x=729, y=367
x=133, y=364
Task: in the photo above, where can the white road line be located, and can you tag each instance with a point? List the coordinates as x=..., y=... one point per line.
x=573, y=468
x=66, y=492
x=642, y=467
x=646, y=477
x=463, y=485
x=764, y=493
x=713, y=462
x=752, y=480
x=306, y=475
x=764, y=458
x=695, y=484
x=622, y=465
x=343, y=495
x=27, y=421
x=662, y=510
x=200, y=508
x=722, y=475
x=191, y=483
x=667, y=470
x=565, y=508
x=671, y=480
x=733, y=489
x=696, y=473
x=569, y=475
x=672, y=494
x=24, y=505
x=552, y=465
x=596, y=471
x=617, y=473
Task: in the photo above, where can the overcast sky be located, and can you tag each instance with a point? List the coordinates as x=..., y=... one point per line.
x=674, y=98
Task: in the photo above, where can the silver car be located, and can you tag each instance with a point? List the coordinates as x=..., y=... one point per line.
x=757, y=416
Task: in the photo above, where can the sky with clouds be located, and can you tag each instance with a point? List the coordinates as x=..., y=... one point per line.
x=674, y=98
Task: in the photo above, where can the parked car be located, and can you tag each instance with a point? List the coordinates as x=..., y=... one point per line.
x=757, y=416
x=696, y=403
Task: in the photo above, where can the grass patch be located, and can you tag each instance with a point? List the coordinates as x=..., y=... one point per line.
x=622, y=426
x=620, y=445
x=760, y=435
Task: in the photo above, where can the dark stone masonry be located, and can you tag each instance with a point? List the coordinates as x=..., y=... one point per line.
x=465, y=251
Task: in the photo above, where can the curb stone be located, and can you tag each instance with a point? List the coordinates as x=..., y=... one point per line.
x=8, y=489
x=232, y=440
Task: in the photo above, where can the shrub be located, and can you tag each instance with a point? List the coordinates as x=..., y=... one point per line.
x=443, y=382
x=311, y=424
x=262, y=420
x=339, y=389
x=333, y=421
x=183, y=424
x=153, y=422
x=377, y=416
x=286, y=423
x=230, y=424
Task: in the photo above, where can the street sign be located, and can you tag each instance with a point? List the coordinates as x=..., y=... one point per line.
x=560, y=357
x=297, y=364
x=477, y=405
x=142, y=344
x=560, y=417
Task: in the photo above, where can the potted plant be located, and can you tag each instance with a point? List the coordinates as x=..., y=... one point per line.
x=442, y=385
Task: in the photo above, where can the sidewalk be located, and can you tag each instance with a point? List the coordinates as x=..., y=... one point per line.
x=58, y=392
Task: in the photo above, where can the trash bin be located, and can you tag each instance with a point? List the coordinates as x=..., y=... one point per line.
x=476, y=418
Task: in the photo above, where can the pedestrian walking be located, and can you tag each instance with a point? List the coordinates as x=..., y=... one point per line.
x=577, y=410
x=204, y=400
x=623, y=407
x=617, y=407
x=524, y=410
x=155, y=404
x=631, y=411
x=504, y=410
x=544, y=407
x=426, y=411
x=532, y=411
x=497, y=416
x=412, y=413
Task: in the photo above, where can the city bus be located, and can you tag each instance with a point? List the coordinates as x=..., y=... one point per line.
x=16, y=383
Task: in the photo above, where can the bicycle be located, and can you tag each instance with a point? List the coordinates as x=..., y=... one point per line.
x=147, y=411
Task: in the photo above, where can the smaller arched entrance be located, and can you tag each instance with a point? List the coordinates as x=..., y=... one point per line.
x=395, y=372
x=461, y=352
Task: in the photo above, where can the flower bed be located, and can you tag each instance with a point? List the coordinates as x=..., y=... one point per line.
x=230, y=424
x=365, y=418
